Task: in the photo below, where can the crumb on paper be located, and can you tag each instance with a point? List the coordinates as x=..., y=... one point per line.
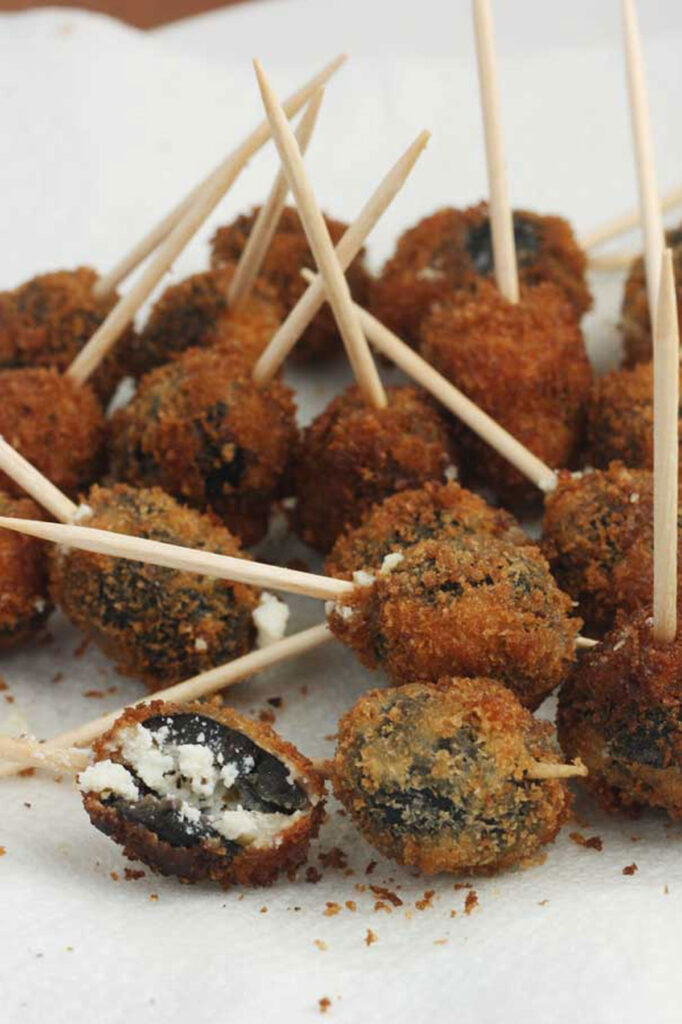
x=82, y=647
x=9, y=699
x=666, y=890
x=543, y=903
x=426, y=902
x=131, y=875
x=3, y=684
x=387, y=894
x=332, y=909
x=352, y=905
x=370, y=867
x=113, y=875
x=453, y=913
x=630, y=869
x=263, y=910
x=95, y=694
x=3, y=851
x=462, y=885
x=57, y=677
x=312, y=875
x=321, y=945
x=324, y=1003
x=440, y=942
x=334, y=858
x=593, y=843
x=276, y=701
x=371, y=937
x=154, y=896
x=471, y=902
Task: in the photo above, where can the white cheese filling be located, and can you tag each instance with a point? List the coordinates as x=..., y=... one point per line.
x=187, y=773
x=270, y=619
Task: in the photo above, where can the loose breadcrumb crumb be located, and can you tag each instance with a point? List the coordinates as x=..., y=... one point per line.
x=386, y=894
x=322, y=946
x=332, y=909
x=324, y=1004
x=114, y=876
x=351, y=905
x=593, y=843
x=153, y=896
x=131, y=875
x=427, y=900
x=630, y=869
x=371, y=937
x=471, y=902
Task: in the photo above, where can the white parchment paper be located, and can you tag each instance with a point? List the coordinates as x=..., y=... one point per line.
x=102, y=129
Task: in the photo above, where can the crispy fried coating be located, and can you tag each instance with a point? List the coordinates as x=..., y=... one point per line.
x=452, y=249
x=56, y=424
x=24, y=600
x=204, y=431
x=194, y=314
x=434, y=776
x=401, y=520
x=620, y=418
x=635, y=319
x=252, y=769
x=158, y=625
x=287, y=256
x=525, y=365
x=621, y=712
x=46, y=322
x=598, y=539
x=471, y=605
x=352, y=456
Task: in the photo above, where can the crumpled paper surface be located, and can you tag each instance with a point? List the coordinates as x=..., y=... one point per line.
x=102, y=129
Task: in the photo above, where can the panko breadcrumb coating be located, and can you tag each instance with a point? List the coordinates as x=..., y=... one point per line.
x=287, y=255
x=525, y=365
x=452, y=249
x=203, y=793
x=621, y=712
x=194, y=314
x=352, y=456
x=434, y=776
x=56, y=424
x=635, y=319
x=434, y=511
x=158, y=625
x=47, y=321
x=24, y=600
x=620, y=418
x=598, y=539
x=470, y=605
x=201, y=429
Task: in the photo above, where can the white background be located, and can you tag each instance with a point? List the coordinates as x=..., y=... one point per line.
x=102, y=129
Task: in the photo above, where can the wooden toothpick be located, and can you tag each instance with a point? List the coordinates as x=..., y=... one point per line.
x=265, y=225
x=501, y=219
x=390, y=345
x=666, y=441
x=28, y=753
x=238, y=157
x=626, y=222
x=283, y=341
x=321, y=246
x=202, y=685
x=174, y=556
x=540, y=770
x=649, y=199
x=35, y=484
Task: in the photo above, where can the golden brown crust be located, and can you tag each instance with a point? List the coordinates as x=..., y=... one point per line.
x=635, y=320
x=56, y=424
x=159, y=625
x=471, y=605
x=621, y=712
x=598, y=538
x=24, y=600
x=46, y=322
x=525, y=365
x=433, y=776
x=200, y=428
x=620, y=418
x=194, y=314
x=433, y=259
x=287, y=255
x=251, y=866
x=401, y=520
x=361, y=455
